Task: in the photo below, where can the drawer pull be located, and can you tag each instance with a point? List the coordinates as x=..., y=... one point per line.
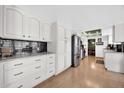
x=37, y=67
x=37, y=78
x=38, y=60
x=51, y=71
x=20, y=86
x=23, y=35
x=18, y=74
x=18, y=64
x=50, y=57
x=51, y=63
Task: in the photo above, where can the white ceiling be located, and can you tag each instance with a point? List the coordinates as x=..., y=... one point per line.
x=80, y=18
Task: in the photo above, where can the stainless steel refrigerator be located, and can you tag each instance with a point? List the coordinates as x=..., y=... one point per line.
x=76, y=50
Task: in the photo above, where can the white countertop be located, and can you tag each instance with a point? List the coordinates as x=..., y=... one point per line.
x=25, y=56
x=112, y=51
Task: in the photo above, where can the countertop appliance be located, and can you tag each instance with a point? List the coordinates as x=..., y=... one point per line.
x=6, y=52
x=118, y=48
x=99, y=41
x=76, y=50
x=42, y=47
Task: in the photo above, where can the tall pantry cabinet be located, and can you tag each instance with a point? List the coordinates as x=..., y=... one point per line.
x=67, y=48
x=1, y=75
x=1, y=21
x=62, y=47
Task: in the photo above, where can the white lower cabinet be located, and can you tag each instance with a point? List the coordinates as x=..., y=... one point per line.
x=50, y=72
x=35, y=79
x=26, y=75
x=50, y=65
x=1, y=75
x=22, y=83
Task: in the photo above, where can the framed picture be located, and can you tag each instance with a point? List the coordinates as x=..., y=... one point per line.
x=99, y=39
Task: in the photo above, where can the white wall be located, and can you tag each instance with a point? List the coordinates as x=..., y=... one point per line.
x=79, y=17
x=46, y=13
x=108, y=31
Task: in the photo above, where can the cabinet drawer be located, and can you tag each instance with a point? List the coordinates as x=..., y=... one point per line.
x=50, y=64
x=14, y=75
x=18, y=84
x=36, y=79
x=51, y=58
x=35, y=68
x=19, y=73
x=50, y=72
x=27, y=82
x=17, y=63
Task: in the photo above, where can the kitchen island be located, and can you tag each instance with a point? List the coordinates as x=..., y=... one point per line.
x=114, y=61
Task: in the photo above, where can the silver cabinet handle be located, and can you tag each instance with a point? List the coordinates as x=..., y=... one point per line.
x=29, y=36
x=38, y=60
x=50, y=57
x=37, y=67
x=23, y=35
x=51, y=71
x=37, y=78
x=18, y=74
x=20, y=86
x=51, y=63
x=18, y=64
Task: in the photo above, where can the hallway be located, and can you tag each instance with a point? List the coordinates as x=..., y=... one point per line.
x=88, y=75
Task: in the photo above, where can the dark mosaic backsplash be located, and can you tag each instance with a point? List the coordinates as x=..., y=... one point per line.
x=16, y=48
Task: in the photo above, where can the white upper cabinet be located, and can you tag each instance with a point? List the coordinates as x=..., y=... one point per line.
x=32, y=28
x=1, y=24
x=13, y=23
x=19, y=25
x=45, y=32
x=119, y=33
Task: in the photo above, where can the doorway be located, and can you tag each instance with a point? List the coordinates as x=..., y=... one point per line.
x=91, y=47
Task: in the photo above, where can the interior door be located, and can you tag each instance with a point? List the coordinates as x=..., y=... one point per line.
x=13, y=23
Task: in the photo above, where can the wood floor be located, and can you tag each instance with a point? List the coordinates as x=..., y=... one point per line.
x=88, y=75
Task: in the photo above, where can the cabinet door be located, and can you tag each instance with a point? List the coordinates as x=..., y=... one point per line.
x=119, y=32
x=99, y=50
x=33, y=28
x=13, y=23
x=61, y=34
x=68, y=49
x=60, y=49
x=44, y=67
x=60, y=63
x=45, y=32
x=60, y=56
x=1, y=75
x=1, y=22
